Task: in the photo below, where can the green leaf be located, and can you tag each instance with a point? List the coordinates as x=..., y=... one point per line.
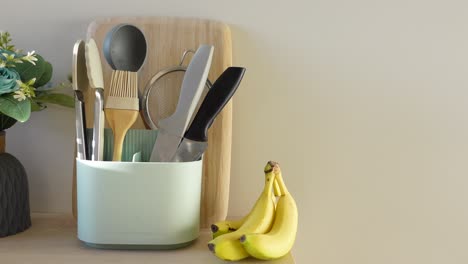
x=56, y=98
x=19, y=110
x=28, y=71
x=50, y=88
x=46, y=76
x=35, y=106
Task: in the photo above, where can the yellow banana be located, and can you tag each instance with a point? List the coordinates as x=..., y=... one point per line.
x=226, y=226
x=259, y=220
x=279, y=241
x=277, y=189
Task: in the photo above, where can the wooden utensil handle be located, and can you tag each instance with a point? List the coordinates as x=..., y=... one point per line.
x=120, y=120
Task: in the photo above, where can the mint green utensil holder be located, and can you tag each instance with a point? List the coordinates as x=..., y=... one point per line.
x=138, y=205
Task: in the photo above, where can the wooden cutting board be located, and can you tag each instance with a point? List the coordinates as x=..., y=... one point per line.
x=167, y=39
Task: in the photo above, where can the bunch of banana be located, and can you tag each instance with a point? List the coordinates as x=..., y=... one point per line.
x=266, y=232
x=280, y=239
x=228, y=226
x=259, y=220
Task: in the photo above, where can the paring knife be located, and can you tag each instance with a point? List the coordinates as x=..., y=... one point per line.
x=93, y=64
x=80, y=82
x=195, y=139
x=172, y=129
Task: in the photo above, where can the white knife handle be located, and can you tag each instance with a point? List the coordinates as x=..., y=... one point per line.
x=191, y=91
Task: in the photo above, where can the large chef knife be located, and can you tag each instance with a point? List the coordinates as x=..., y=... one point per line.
x=172, y=129
x=195, y=139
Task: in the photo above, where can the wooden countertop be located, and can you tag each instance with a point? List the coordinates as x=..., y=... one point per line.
x=52, y=240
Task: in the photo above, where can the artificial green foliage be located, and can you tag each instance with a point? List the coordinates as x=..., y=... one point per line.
x=29, y=71
x=56, y=98
x=24, y=84
x=46, y=76
x=19, y=110
x=5, y=40
x=36, y=106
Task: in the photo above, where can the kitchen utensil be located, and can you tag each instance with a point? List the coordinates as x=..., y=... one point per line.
x=136, y=157
x=80, y=83
x=127, y=52
x=125, y=48
x=93, y=64
x=165, y=84
x=167, y=38
x=195, y=139
x=172, y=129
x=106, y=46
x=122, y=107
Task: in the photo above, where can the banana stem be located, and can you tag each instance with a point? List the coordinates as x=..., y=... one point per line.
x=270, y=166
x=273, y=167
x=280, y=181
x=277, y=188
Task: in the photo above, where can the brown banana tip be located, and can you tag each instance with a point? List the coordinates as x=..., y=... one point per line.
x=242, y=239
x=277, y=168
x=271, y=165
x=211, y=247
x=214, y=228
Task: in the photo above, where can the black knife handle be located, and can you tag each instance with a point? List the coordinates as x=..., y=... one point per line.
x=215, y=100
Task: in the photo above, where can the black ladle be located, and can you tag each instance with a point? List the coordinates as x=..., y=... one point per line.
x=125, y=48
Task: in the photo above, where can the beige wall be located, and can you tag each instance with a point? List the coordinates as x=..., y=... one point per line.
x=364, y=103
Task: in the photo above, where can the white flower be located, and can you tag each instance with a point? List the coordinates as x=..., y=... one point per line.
x=19, y=95
x=26, y=89
x=30, y=57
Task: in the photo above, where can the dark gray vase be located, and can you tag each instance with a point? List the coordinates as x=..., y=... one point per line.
x=14, y=194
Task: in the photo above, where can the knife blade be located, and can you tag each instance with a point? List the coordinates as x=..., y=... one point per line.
x=172, y=129
x=195, y=139
x=95, y=76
x=80, y=82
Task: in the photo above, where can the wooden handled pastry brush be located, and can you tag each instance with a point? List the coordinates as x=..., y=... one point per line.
x=122, y=107
x=125, y=50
